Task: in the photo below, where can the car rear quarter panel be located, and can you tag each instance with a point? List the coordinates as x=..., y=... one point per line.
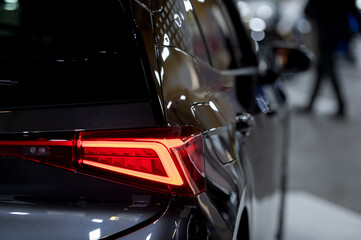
x=192, y=99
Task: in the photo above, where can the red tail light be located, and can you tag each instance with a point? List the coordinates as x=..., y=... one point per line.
x=166, y=159
x=144, y=159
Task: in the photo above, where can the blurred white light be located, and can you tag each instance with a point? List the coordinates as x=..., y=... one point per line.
x=288, y=15
x=187, y=5
x=182, y=97
x=178, y=19
x=10, y=6
x=114, y=218
x=165, y=54
x=19, y=213
x=304, y=26
x=94, y=235
x=11, y=1
x=256, y=46
x=213, y=106
x=358, y=3
x=244, y=9
x=257, y=24
x=97, y=220
x=166, y=40
x=258, y=36
x=264, y=11
x=263, y=65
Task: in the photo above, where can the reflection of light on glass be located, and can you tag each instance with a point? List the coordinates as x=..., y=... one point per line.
x=157, y=76
x=11, y=1
x=94, y=235
x=264, y=11
x=257, y=24
x=96, y=220
x=258, y=36
x=161, y=73
x=19, y=213
x=148, y=237
x=165, y=54
x=177, y=20
x=213, y=106
x=182, y=97
x=169, y=104
x=166, y=40
x=358, y=3
x=201, y=1
x=187, y=5
x=114, y=218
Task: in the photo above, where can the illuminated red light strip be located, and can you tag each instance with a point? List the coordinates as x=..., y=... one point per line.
x=159, y=146
x=65, y=143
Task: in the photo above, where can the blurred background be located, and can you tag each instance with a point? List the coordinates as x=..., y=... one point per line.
x=324, y=198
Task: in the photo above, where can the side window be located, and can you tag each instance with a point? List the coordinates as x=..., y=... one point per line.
x=176, y=26
x=199, y=47
x=219, y=33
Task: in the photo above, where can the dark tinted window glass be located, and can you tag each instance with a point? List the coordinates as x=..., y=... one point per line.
x=219, y=32
x=199, y=47
x=64, y=52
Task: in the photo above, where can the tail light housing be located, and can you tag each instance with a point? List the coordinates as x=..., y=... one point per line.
x=164, y=159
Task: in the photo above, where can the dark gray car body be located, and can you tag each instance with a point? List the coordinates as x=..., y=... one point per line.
x=161, y=71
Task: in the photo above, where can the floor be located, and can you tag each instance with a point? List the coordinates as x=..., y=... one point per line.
x=324, y=200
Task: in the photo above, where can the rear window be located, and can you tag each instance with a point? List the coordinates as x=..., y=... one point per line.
x=67, y=52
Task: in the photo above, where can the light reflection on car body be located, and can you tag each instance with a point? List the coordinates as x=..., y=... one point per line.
x=183, y=134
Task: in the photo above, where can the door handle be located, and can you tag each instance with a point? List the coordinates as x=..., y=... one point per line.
x=245, y=123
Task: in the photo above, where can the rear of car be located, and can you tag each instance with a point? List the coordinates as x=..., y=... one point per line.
x=128, y=119
x=72, y=80
x=85, y=150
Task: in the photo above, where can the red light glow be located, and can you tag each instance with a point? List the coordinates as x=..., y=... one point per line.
x=164, y=159
x=149, y=160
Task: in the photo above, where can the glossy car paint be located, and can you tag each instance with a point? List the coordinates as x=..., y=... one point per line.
x=244, y=174
x=197, y=94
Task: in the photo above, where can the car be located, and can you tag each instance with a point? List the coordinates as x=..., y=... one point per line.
x=139, y=120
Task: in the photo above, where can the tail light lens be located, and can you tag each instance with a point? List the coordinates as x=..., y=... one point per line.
x=165, y=159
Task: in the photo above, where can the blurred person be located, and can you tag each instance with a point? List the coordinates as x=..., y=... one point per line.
x=331, y=20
